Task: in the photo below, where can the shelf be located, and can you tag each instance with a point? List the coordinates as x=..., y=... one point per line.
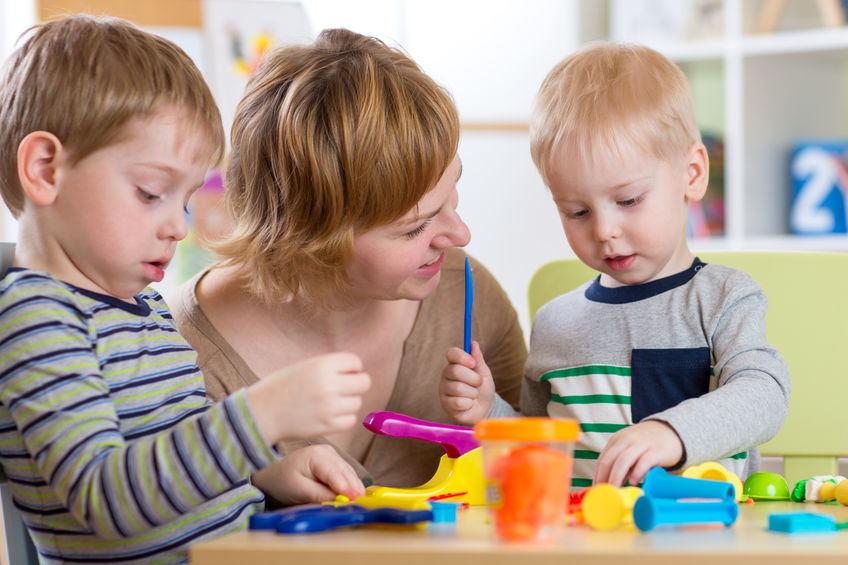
x=829, y=243
x=794, y=42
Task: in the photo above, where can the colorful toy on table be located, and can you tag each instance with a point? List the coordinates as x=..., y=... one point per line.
x=675, y=500
x=809, y=490
x=837, y=490
x=764, y=485
x=527, y=464
x=715, y=472
x=459, y=475
x=322, y=517
x=804, y=523
x=606, y=507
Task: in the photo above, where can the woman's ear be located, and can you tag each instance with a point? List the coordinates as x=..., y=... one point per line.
x=697, y=172
x=38, y=155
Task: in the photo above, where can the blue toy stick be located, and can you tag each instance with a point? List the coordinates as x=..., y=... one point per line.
x=469, y=301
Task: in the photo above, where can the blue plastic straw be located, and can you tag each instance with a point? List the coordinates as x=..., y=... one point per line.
x=469, y=300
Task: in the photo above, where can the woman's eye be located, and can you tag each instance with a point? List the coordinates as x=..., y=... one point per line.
x=417, y=231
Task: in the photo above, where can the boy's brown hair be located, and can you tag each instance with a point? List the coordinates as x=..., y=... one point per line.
x=83, y=79
x=331, y=139
x=606, y=94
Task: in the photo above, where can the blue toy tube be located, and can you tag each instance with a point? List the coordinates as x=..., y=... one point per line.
x=659, y=484
x=649, y=512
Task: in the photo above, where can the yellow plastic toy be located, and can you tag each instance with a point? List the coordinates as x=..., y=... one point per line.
x=606, y=507
x=841, y=492
x=715, y=472
x=459, y=477
x=828, y=491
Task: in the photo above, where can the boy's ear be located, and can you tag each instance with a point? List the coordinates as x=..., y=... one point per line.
x=697, y=172
x=38, y=156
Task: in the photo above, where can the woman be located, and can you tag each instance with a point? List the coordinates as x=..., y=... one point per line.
x=342, y=190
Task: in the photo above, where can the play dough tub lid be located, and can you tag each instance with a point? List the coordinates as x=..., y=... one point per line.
x=526, y=429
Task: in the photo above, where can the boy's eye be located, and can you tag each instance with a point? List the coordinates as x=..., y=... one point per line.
x=629, y=201
x=575, y=214
x=146, y=196
x=417, y=231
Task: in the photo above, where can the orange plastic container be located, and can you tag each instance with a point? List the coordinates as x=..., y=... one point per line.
x=527, y=467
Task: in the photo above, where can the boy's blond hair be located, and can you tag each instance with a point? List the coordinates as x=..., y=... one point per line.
x=606, y=94
x=83, y=79
x=331, y=139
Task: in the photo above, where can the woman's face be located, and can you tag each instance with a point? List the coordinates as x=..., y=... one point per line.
x=403, y=260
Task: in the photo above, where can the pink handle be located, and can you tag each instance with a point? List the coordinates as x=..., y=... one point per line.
x=456, y=440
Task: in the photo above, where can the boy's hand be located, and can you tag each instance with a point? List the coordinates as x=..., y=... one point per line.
x=311, y=474
x=633, y=451
x=466, y=389
x=318, y=396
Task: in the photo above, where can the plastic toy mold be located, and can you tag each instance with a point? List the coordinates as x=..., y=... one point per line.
x=763, y=485
x=460, y=470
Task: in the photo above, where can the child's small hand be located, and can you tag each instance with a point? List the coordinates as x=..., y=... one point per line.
x=318, y=396
x=315, y=473
x=466, y=389
x=633, y=451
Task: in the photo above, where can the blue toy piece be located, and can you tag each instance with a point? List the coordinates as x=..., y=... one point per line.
x=325, y=517
x=444, y=512
x=469, y=301
x=649, y=512
x=659, y=484
x=803, y=523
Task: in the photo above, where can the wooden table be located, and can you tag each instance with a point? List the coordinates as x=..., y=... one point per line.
x=472, y=542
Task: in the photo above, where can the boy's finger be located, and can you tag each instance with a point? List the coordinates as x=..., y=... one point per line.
x=457, y=356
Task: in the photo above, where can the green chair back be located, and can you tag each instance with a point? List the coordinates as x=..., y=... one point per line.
x=807, y=321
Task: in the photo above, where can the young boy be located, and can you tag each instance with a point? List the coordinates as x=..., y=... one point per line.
x=662, y=359
x=112, y=451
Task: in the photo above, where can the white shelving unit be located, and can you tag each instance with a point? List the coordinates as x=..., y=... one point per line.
x=777, y=88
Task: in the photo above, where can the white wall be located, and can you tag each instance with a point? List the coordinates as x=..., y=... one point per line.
x=15, y=17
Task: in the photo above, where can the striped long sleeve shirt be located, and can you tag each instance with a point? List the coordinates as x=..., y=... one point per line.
x=112, y=451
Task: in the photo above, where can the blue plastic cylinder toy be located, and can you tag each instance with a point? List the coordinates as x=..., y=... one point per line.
x=659, y=484
x=649, y=512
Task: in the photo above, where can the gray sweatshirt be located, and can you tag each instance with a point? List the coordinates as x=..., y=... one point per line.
x=689, y=349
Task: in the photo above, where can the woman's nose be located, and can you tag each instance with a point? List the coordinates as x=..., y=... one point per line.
x=455, y=233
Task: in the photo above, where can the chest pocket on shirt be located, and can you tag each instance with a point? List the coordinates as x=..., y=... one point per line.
x=662, y=378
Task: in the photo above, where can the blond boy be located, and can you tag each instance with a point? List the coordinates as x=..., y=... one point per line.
x=662, y=359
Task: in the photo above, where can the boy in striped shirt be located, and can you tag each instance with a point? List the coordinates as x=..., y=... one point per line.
x=662, y=359
x=112, y=451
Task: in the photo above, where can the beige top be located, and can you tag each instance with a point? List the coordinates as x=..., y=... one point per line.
x=392, y=461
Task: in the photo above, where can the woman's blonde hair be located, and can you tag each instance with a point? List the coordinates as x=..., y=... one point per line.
x=330, y=139
x=606, y=94
x=83, y=79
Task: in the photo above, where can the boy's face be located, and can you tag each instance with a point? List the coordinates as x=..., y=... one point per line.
x=624, y=212
x=404, y=259
x=120, y=211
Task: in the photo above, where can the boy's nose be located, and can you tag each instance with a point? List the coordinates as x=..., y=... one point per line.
x=605, y=227
x=175, y=225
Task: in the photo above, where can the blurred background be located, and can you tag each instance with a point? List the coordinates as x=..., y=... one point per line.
x=769, y=80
